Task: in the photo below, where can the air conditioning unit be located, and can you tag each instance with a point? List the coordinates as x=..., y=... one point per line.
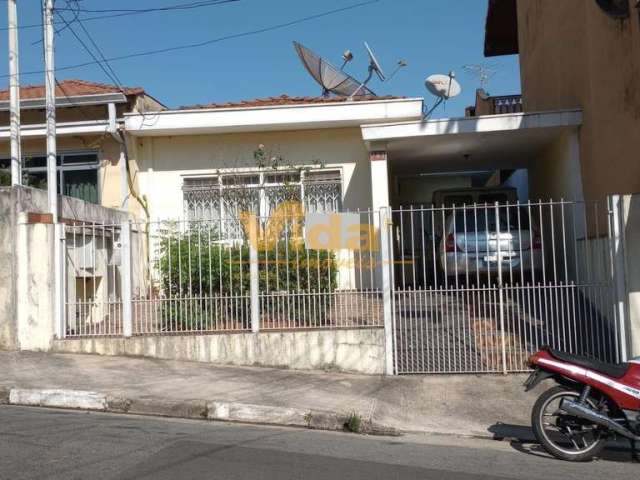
x=83, y=255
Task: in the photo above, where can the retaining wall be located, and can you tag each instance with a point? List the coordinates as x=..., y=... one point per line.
x=358, y=350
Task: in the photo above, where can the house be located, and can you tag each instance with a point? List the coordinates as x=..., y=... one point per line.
x=580, y=54
x=465, y=286
x=90, y=161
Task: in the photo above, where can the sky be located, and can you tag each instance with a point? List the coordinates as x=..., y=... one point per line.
x=433, y=36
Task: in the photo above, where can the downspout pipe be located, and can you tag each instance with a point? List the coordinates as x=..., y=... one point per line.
x=126, y=180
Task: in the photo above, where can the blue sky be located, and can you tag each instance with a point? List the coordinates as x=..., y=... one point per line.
x=432, y=36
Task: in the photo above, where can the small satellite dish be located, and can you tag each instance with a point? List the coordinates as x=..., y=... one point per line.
x=444, y=87
x=347, y=56
x=331, y=79
x=374, y=65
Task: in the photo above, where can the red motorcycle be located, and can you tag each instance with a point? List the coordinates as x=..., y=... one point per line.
x=593, y=402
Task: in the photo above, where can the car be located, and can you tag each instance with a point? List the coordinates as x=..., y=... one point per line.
x=475, y=242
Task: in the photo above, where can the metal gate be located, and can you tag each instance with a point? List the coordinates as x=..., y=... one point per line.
x=480, y=288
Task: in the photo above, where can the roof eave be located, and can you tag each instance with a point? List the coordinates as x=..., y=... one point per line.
x=501, y=29
x=70, y=101
x=272, y=118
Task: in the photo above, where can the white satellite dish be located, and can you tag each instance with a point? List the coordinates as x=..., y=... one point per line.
x=444, y=87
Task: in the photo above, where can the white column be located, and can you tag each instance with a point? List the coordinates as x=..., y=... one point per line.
x=379, y=180
x=127, y=284
x=379, y=200
x=14, y=94
x=254, y=280
x=618, y=267
x=382, y=222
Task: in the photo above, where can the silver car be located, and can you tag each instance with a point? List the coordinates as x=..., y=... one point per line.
x=472, y=243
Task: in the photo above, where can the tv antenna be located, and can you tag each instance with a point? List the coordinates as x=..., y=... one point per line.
x=482, y=71
x=442, y=86
x=338, y=82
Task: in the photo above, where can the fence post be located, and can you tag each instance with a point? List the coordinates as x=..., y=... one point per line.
x=616, y=215
x=127, y=287
x=60, y=282
x=500, y=291
x=385, y=265
x=253, y=277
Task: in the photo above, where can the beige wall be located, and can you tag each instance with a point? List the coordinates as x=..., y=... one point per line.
x=573, y=55
x=162, y=161
x=555, y=173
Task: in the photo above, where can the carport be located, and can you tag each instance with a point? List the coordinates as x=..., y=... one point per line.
x=478, y=287
x=545, y=144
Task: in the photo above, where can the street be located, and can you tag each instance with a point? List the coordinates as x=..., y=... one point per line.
x=56, y=444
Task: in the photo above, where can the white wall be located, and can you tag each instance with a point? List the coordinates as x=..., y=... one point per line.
x=359, y=351
x=163, y=161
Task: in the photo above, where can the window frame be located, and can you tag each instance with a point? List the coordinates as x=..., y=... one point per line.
x=94, y=165
x=261, y=186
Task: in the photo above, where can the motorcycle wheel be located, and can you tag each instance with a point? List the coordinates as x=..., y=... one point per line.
x=562, y=435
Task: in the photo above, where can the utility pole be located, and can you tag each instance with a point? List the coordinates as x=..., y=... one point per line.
x=50, y=94
x=14, y=94
x=52, y=178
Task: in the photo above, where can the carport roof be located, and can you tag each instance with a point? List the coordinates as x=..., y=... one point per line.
x=495, y=141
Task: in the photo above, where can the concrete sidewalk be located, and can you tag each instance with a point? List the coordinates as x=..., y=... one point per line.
x=487, y=405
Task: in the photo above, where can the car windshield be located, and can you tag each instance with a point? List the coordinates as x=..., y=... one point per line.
x=484, y=219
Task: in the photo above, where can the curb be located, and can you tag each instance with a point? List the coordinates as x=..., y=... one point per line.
x=197, y=410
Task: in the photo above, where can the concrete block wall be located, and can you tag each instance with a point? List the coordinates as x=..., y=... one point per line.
x=26, y=263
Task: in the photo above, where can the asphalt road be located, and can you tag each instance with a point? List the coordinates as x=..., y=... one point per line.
x=52, y=444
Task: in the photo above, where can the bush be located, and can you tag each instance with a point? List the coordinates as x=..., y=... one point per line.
x=196, y=266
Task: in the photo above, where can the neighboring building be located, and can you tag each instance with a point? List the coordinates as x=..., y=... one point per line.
x=580, y=54
x=89, y=155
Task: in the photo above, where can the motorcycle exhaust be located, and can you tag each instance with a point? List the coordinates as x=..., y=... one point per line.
x=582, y=411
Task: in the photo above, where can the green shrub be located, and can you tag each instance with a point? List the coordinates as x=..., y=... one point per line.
x=214, y=277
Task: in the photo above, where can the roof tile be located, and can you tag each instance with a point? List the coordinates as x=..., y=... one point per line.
x=71, y=88
x=281, y=100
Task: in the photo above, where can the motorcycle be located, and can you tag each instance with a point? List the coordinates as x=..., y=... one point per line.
x=592, y=403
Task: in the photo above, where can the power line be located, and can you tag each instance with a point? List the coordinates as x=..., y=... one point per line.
x=209, y=3
x=247, y=33
x=84, y=45
x=95, y=45
x=183, y=6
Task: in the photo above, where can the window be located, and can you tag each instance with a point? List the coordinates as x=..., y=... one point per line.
x=5, y=172
x=222, y=198
x=77, y=174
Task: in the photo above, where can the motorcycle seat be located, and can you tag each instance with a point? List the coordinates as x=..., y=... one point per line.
x=612, y=370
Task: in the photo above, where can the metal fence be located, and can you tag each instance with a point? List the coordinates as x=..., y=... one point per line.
x=192, y=277
x=457, y=288
x=480, y=288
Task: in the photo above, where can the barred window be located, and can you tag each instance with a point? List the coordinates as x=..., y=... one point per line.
x=221, y=198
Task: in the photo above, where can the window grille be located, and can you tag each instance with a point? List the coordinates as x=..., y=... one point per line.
x=223, y=198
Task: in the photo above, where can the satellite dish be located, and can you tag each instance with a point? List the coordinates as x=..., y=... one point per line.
x=331, y=79
x=442, y=86
x=374, y=65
